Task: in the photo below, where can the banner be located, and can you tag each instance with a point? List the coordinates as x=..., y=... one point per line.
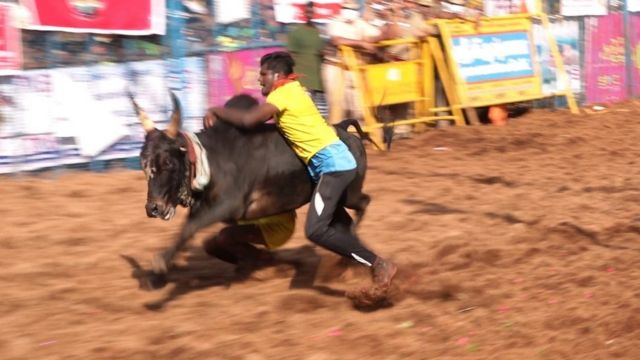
x=292, y=11
x=225, y=14
x=235, y=72
x=605, y=59
x=567, y=34
x=495, y=65
x=635, y=53
x=507, y=7
x=10, y=42
x=131, y=17
x=583, y=7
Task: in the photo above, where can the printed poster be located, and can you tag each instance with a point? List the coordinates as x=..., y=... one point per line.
x=567, y=37
x=235, y=72
x=584, y=7
x=493, y=63
x=635, y=53
x=605, y=59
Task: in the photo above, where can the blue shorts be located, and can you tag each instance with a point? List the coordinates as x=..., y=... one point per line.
x=332, y=158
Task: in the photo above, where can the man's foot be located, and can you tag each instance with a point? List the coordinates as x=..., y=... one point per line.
x=382, y=272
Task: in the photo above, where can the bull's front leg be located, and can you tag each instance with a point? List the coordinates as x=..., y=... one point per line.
x=162, y=262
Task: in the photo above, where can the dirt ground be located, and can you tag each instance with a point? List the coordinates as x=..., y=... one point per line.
x=521, y=242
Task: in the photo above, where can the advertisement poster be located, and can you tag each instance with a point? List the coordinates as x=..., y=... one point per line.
x=567, y=35
x=131, y=17
x=10, y=43
x=235, y=72
x=605, y=59
x=495, y=65
x=583, y=7
x=635, y=53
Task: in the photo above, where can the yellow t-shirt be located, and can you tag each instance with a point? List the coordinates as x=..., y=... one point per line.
x=276, y=229
x=300, y=121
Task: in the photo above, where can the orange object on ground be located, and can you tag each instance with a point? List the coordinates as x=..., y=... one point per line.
x=498, y=115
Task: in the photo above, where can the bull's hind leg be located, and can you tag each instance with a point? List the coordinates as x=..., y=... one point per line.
x=359, y=203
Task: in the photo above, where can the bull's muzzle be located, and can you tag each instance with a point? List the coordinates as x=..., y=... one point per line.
x=152, y=210
x=156, y=210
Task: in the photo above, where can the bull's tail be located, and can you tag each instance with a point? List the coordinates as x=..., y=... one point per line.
x=344, y=125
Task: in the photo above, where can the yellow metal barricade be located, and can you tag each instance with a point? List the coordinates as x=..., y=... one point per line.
x=401, y=82
x=471, y=74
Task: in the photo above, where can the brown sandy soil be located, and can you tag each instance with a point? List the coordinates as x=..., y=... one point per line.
x=520, y=242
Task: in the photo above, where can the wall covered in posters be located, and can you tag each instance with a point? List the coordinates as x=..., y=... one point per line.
x=605, y=59
x=84, y=113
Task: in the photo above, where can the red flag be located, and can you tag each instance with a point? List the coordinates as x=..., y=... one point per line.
x=134, y=17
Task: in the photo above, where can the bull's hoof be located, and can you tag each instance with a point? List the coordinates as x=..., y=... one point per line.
x=159, y=264
x=153, y=282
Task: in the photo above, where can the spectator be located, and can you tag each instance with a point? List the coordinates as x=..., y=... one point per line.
x=406, y=21
x=306, y=46
x=351, y=30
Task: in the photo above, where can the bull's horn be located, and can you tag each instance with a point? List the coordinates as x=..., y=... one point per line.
x=176, y=117
x=146, y=122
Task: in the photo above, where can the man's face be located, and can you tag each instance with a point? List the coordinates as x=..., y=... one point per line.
x=266, y=79
x=308, y=12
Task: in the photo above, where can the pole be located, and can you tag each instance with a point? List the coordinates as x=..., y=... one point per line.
x=628, y=51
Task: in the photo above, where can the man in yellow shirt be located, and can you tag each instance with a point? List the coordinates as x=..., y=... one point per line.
x=328, y=159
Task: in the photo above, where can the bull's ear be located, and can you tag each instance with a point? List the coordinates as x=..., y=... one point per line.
x=145, y=120
x=176, y=117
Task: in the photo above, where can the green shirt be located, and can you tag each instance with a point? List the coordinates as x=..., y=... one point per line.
x=305, y=45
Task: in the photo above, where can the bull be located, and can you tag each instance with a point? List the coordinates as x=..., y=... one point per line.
x=252, y=174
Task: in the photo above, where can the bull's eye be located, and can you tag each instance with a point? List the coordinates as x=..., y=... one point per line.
x=167, y=164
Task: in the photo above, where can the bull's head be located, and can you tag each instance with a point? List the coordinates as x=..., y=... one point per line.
x=165, y=163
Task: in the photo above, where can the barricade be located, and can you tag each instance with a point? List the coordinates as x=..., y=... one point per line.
x=489, y=63
x=403, y=82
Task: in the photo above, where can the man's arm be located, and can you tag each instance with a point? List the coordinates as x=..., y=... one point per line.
x=240, y=118
x=358, y=44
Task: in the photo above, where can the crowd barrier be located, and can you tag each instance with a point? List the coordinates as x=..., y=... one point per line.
x=80, y=115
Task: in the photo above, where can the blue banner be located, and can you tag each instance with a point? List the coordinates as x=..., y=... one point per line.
x=493, y=57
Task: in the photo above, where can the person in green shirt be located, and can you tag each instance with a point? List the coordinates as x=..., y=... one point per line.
x=306, y=47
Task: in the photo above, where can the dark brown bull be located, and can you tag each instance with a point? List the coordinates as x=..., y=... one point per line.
x=253, y=173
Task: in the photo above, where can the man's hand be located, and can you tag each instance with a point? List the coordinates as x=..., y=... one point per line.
x=209, y=118
x=368, y=47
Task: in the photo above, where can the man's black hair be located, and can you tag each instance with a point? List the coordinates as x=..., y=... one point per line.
x=278, y=62
x=242, y=102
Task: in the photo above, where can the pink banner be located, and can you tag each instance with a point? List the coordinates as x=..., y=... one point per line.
x=10, y=43
x=605, y=68
x=231, y=73
x=635, y=52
